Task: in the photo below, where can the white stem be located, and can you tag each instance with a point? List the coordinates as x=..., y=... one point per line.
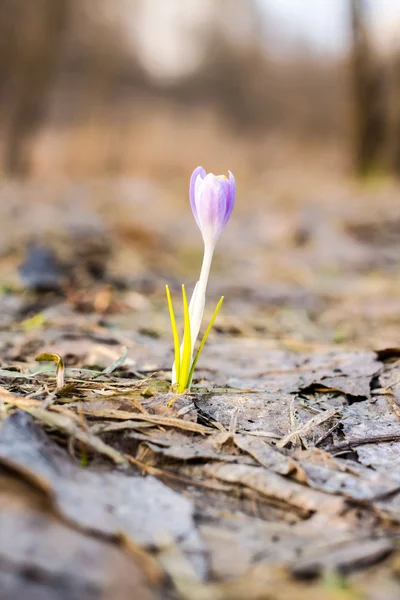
x=197, y=302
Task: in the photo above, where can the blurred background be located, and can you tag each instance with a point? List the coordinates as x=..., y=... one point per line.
x=108, y=105
x=93, y=87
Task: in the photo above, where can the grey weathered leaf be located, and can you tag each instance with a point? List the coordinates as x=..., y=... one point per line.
x=108, y=503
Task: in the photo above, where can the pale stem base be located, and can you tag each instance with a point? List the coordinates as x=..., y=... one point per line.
x=198, y=299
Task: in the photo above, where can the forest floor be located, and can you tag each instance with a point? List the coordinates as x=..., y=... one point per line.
x=278, y=476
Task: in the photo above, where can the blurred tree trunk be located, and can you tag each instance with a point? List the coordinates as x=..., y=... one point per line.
x=32, y=33
x=368, y=96
x=395, y=125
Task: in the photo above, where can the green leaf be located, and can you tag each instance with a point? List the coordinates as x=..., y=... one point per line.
x=187, y=346
x=203, y=341
x=175, y=335
x=33, y=322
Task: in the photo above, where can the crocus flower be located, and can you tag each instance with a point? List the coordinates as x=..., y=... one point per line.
x=212, y=198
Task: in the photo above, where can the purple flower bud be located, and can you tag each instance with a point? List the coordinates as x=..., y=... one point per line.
x=211, y=198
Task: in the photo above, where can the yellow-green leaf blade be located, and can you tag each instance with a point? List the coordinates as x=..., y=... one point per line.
x=175, y=335
x=187, y=345
x=203, y=341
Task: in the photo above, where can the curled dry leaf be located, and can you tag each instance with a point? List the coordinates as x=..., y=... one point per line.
x=60, y=367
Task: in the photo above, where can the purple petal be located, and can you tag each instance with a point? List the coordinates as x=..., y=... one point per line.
x=199, y=172
x=208, y=200
x=230, y=199
x=212, y=199
x=225, y=194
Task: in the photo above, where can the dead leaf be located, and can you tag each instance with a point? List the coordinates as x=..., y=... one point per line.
x=106, y=503
x=276, y=488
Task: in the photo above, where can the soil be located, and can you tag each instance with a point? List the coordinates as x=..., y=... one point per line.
x=277, y=476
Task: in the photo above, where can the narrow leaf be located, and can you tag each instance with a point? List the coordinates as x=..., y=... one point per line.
x=116, y=363
x=175, y=335
x=203, y=341
x=187, y=346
